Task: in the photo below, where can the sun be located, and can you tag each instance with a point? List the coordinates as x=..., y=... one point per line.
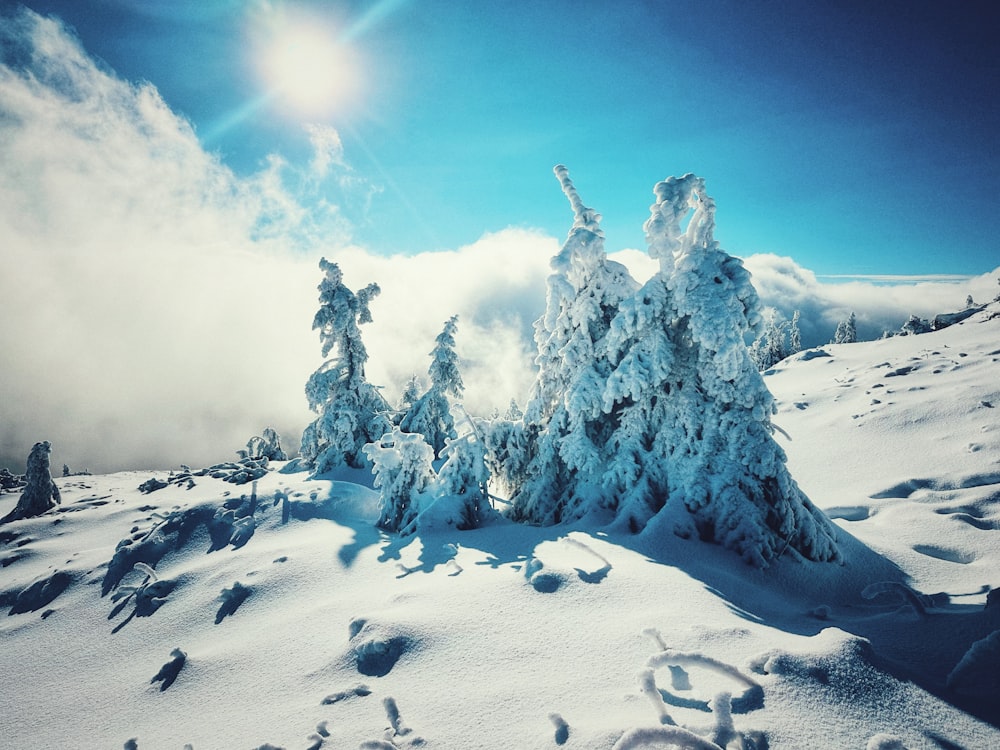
x=306, y=68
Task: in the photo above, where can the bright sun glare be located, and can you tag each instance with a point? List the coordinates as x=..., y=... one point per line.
x=309, y=70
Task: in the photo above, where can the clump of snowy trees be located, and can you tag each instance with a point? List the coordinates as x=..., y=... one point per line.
x=648, y=411
x=847, y=331
x=355, y=427
x=778, y=340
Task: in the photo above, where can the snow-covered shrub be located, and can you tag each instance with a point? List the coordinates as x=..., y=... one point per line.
x=430, y=414
x=10, y=482
x=40, y=492
x=462, y=482
x=506, y=445
x=352, y=412
x=915, y=325
x=267, y=446
x=404, y=474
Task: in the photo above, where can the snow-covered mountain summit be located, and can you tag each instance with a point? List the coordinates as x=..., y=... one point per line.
x=274, y=614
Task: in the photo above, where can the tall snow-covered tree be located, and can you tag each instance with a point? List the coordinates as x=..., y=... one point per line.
x=565, y=428
x=847, y=331
x=794, y=335
x=430, y=414
x=713, y=434
x=40, y=493
x=352, y=412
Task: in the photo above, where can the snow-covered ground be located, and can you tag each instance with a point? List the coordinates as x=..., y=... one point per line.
x=215, y=615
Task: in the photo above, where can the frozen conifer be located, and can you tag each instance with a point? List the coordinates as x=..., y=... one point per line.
x=351, y=410
x=794, y=335
x=769, y=348
x=714, y=434
x=847, y=331
x=564, y=423
x=430, y=414
x=40, y=492
x=649, y=398
x=404, y=475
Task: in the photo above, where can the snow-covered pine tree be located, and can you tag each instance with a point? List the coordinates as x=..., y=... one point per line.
x=351, y=410
x=565, y=428
x=716, y=436
x=411, y=392
x=40, y=492
x=794, y=335
x=847, y=331
x=430, y=414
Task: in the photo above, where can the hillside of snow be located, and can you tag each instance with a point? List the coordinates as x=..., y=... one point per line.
x=209, y=614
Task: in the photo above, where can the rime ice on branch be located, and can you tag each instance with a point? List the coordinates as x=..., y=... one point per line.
x=351, y=411
x=40, y=492
x=648, y=398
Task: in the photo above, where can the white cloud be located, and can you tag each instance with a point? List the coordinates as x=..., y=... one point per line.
x=497, y=288
x=152, y=308
x=328, y=149
x=156, y=309
x=880, y=303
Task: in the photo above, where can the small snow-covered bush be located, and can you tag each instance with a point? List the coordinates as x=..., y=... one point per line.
x=404, y=473
x=267, y=446
x=462, y=483
x=10, y=482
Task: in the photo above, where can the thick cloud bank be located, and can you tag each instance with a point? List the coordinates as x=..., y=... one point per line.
x=879, y=306
x=155, y=308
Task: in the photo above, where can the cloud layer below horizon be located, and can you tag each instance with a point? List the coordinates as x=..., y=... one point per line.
x=157, y=308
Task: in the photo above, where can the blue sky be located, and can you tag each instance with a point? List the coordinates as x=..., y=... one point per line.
x=855, y=137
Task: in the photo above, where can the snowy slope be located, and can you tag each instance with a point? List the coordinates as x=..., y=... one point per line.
x=277, y=616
